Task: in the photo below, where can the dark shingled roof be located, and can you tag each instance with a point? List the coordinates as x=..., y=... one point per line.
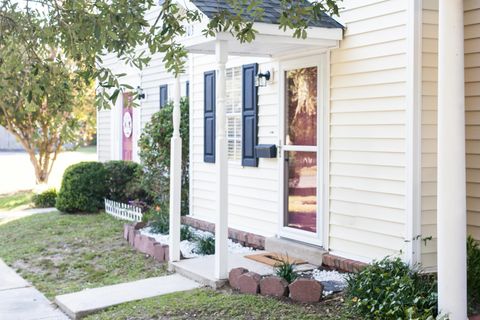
x=272, y=12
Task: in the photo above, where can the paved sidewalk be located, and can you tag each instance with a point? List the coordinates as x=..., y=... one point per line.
x=20, y=301
x=79, y=304
x=8, y=216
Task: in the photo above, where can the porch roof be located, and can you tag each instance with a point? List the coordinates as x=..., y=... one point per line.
x=270, y=39
x=272, y=11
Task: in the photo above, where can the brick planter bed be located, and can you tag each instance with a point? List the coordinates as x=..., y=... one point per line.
x=144, y=244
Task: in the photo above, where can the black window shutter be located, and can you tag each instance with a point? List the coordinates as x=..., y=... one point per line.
x=249, y=115
x=209, y=101
x=163, y=95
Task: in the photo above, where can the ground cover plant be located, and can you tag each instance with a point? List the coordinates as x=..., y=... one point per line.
x=14, y=200
x=473, y=275
x=205, y=245
x=46, y=199
x=390, y=289
x=62, y=253
x=210, y=304
x=286, y=270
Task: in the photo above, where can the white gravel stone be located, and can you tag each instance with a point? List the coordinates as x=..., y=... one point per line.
x=188, y=248
x=334, y=276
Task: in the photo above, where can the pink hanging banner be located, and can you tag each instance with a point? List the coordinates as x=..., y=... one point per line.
x=127, y=127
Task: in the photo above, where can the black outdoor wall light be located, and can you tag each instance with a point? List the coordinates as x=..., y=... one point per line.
x=262, y=78
x=140, y=93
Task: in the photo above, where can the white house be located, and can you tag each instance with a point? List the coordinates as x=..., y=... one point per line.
x=343, y=145
x=8, y=142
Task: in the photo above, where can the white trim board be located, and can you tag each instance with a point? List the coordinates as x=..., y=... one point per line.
x=413, y=133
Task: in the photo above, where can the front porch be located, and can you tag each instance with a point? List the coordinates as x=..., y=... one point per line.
x=202, y=269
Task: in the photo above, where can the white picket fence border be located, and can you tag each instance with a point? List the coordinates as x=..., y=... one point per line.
x=123, y=211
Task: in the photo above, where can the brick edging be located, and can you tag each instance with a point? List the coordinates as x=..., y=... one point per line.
x=247, y=239
x=342, y=264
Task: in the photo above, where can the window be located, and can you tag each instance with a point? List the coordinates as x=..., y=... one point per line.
x=233, y=106
x=163, y=95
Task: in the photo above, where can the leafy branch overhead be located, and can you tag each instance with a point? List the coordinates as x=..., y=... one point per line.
x=87, y=30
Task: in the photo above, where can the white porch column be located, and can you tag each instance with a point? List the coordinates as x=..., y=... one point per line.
x=451, y=194
x=221, y=166
x=175, y=176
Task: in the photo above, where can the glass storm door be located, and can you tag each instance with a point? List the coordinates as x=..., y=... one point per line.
x=301, y=165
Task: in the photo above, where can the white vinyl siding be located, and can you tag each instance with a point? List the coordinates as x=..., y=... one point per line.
x=429, y=122
x=253, y=191
x=367, y=131
x=103, y=135
x=429, y=132
x=472, y=106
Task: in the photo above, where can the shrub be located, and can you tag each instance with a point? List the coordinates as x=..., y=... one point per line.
x=205, y=245
x=473, y=275
x=286, y=270
x=45, y=199
x=123, y=181
x=186, y=233
x=390, y=289
x=158, y=218
x=154, y=145
x=83, y=188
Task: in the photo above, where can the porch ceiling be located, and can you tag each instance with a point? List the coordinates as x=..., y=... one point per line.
x=269, y=41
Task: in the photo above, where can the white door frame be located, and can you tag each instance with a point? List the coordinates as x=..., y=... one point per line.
x=321, y=62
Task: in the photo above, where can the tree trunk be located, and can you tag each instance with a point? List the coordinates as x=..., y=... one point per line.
x=41, y=175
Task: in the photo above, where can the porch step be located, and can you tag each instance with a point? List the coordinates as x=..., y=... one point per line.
x=79, y=304
x=201, y=269
x=294, y=249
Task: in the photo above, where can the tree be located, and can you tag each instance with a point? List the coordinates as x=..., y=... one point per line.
x=49, y=46
x=88, y=29
x=44, y=103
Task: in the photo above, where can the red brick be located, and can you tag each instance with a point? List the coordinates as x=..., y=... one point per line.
x=249, y=283
x=274, y=286
x=144, y=244
x=233, y=276
x=167, y=250
x=131, y=236
x=159, y=252
x=126, y=230
x=305, y=290
x=475, y=317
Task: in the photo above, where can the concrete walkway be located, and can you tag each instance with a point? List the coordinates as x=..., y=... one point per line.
x=20, y=301
x=80, y=304
x=7, y=216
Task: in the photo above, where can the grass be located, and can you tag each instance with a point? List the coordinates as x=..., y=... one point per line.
x=61, y=253
x=66, y=253
x=210, y=304
x=15, y=200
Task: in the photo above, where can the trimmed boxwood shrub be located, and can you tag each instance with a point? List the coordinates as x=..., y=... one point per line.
x=45, y=199
x=83, y=188
x=123, y=181
x=390, y=289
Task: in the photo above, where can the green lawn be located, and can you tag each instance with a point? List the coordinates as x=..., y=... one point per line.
x=210, y=304
x=15, y=200
x=66, y=253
